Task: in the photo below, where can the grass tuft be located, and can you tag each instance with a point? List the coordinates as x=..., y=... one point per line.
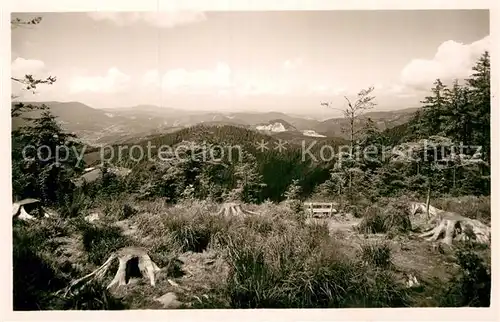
x=378, y=254
x=392, y=218
x=99, y=241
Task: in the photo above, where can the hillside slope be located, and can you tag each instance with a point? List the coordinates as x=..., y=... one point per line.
x=383, y=120
x=106, y=126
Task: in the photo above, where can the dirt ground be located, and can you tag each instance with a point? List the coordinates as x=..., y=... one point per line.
x=410, y=254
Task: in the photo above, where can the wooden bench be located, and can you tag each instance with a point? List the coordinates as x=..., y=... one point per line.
x=320, y=209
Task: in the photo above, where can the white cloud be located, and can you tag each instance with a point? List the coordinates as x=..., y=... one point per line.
x=326, y=89
x=219, y=77
x=379, y=87
x=452, y=60
x=396, y=88
x=21, y=67
x=219, y=80
x=162, y=19
x=179, y=80
x=252, y=87
x=151, y=78
x=400, y=90
x=112, y=82
x=292, y=63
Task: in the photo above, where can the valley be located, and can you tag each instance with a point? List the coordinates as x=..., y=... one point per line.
x=107, y=126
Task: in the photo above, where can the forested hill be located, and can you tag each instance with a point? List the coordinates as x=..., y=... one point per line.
x=229, y=135
x=258, y=155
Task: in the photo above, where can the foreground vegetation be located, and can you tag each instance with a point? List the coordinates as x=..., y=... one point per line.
x=271, y=260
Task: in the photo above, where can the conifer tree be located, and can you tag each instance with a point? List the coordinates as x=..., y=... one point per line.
x=458, y=115
x=479, y=84
x=432, y=111
x=249, y=182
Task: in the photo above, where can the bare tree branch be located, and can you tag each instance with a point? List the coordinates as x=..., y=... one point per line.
x=31, y=83
x=16, y=23
x=363, y=102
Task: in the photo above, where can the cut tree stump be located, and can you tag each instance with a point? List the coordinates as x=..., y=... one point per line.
x=29, y=209
x=450, y=226
x=234, y=209
x=130, y=259
x=459, y=228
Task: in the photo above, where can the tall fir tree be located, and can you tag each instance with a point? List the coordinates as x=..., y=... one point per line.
x=432, y=111
x=479, y=84
x=458, y=115
x=249, y=182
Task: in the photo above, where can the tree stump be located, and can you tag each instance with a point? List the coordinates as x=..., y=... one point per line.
x=459, y=228
x=234, y=209
x=130, y=259
x=29, y=209
x=450, y=226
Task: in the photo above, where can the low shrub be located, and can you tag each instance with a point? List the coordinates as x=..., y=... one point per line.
x=192, y=237
x=469, y=206
x=472, y=286
x=391, y=218
x=190, y=229
x=93, y=296
x=34, y=279
x=43, y=235
x=75, y=204
x=38, y=275
x=373, y=221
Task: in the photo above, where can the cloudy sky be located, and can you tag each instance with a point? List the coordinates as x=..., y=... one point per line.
x=286, y=61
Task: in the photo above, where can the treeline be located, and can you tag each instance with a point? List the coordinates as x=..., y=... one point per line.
x=218, y=163
x=445, y=148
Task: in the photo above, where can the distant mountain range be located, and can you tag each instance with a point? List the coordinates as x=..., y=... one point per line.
x=103, y=126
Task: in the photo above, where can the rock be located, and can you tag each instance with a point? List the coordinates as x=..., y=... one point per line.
x=169, y=301
x=92, y=217
x=412, y=281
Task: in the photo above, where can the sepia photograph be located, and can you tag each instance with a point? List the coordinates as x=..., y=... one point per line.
x=302, y=159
